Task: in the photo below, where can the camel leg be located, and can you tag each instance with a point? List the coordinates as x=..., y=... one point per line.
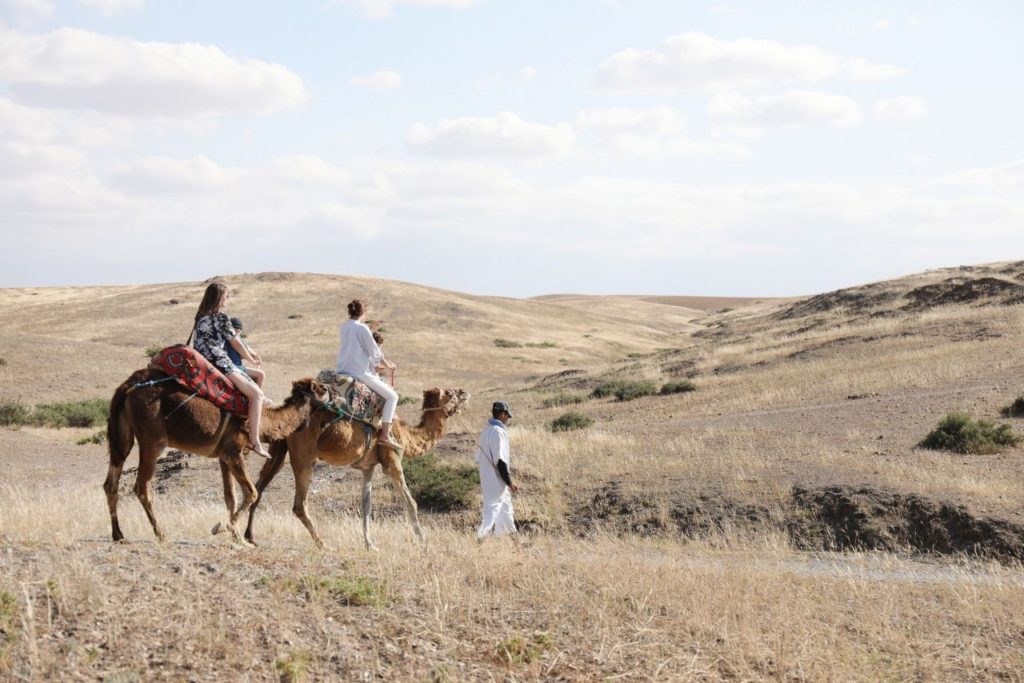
x=366, y=505
x=278, y=451
x=143, y=480
x=110, y=487
x=236, y=466
x=229, y=487
x=393, y=468
x=303, y=478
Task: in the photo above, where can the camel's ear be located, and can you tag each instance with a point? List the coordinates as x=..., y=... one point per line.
x=431, y=392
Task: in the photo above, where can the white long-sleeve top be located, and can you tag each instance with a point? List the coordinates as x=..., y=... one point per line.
x=358, y=353
x=494, y=446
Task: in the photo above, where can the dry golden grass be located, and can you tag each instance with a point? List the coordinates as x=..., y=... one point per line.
x=553, y=607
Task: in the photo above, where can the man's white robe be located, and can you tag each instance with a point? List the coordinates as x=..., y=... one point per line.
x=497, y=515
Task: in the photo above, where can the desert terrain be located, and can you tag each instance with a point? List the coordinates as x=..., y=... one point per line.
x=773, y=519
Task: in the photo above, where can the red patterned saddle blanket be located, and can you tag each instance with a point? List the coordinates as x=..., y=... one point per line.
x=199, y=375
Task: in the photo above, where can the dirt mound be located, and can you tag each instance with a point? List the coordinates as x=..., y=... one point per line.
x=957, y=290
x=830, y=518
x=864, y=518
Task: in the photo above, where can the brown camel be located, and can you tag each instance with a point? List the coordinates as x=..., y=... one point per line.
x=345, y=443
x=162, y=415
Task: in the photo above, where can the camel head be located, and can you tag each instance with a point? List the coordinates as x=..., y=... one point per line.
x=307, y=387
x=448, y=401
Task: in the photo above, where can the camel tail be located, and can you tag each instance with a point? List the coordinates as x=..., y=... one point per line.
x=120, y=437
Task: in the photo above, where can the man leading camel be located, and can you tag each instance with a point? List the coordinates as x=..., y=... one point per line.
x=496, y=485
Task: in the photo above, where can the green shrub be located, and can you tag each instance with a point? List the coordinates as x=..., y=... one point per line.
x=507, y=344
x=13, y=413
x=677, y=387
x=624, y=390
x=542, y=345
x=960, y=433
x=570, y=421
x=87, y=413
x=3, y=361
x=153, y=350
x=294, y=316
x=438, y=487
x=1015, y=409
x=97, y=437
x=406, y=399
x=292, y=667
x=562, y=400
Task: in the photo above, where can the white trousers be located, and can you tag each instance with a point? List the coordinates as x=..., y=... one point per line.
x=381, y=387
x=498, y=517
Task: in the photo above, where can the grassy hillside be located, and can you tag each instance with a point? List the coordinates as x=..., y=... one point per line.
x=745, y=498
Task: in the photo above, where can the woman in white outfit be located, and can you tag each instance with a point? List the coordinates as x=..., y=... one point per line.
x=360, y=357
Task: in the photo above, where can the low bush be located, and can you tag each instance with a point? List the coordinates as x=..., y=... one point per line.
x=153, y=350
x=518, y=650
x=1015, y=409
x=625, y=390
x=438, y=487
x=407, y=399
x=89, y=413
x=294, y=316
x=570, y=421
x=561, y=400
x=677, y=387
x=507, y=344
x=960, y=433
x=351, y=591
x=13, y=413
x=3, y=361
x=542, y=345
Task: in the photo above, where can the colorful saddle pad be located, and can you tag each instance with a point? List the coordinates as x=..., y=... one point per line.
x=357, y=400
x=197, y=374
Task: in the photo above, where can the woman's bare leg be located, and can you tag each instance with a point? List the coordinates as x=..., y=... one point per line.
x=255, y=396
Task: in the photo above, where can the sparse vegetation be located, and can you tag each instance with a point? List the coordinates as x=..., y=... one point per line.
x=624, y=390
x=87, y=413
x=571, y=421
x=1015, y=409
x=9, y=628
x=356, y=591
x=507, y=344
x=542, y=345
x=292, y=666
x=294, y=316
x=561, y=400
x=153, y=350
x=3, y=361
x=97, y=438
x=438, y=487
x=677, y=387
x=403, y=400
x=518, y=650
x=960, y=433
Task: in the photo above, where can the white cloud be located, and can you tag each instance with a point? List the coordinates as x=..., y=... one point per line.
x=528, y=73
x=378, y=80
x=999, y=178
x=503, y=135
x=792, y=109
x=28, y=11
x=695, y=61
x=76, y=69
x=881, y=25
x=648, y=132
x=903, y=108
x=112, y=6
x=863, y=71
x=379, y=9
x=172, y=175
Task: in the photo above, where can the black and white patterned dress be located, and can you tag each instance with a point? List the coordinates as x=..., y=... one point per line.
x=213, y=332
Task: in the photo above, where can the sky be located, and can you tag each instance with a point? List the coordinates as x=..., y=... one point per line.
x=510, y=147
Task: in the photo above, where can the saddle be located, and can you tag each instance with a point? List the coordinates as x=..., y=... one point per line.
x=191, y=369
x=353, y=398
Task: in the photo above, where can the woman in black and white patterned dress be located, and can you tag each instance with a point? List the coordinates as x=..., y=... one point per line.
x=213, y=332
